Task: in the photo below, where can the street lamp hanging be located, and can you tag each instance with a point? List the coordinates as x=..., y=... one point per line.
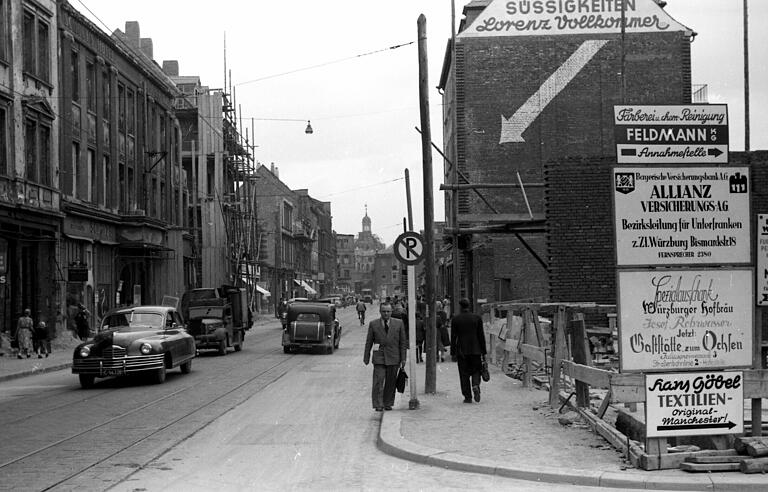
x=309, y=130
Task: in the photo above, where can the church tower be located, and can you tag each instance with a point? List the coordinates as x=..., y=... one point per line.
x=365, y=233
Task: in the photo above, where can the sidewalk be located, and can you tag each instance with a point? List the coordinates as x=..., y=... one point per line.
x=513, y=432
x=61, y=358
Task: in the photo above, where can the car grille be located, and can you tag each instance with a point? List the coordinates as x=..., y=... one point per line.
x=134, y=363
x=113, y=352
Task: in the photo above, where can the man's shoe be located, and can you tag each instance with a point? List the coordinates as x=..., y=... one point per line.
x=467, y=400
x=379, y=409
x=476, y=391
x=387, y=408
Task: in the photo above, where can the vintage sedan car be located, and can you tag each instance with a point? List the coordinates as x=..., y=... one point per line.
x=310, y=325
x=139, y=339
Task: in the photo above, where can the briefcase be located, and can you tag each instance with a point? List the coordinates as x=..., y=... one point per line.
x=402, y=378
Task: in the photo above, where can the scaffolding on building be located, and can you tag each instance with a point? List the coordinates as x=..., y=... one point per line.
x=238, y=200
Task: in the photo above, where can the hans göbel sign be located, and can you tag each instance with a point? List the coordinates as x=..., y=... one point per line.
x=685, y=319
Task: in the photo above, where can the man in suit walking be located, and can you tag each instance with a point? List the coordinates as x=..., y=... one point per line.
x=386, y=336
x=468, y=348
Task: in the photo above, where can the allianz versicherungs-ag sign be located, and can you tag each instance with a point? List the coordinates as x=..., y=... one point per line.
x=681, y=216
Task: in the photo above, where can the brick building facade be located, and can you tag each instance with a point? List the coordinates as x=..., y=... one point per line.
x=528, y=93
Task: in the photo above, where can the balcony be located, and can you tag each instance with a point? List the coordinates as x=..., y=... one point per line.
x=303, y=231
x=19, y=192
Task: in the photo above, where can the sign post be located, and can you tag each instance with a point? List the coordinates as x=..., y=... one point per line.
x=409, y=249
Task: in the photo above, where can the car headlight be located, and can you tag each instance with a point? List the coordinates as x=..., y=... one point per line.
x=145, y=348
x=85, y=351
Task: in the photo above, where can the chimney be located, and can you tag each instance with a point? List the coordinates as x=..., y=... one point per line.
x=171, y=68
x=132, y=33
x=146, y=47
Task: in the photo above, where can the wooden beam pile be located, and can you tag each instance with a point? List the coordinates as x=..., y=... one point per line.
x=750, y=455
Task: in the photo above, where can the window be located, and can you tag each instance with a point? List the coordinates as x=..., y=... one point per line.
x=105, y=198
x=287, y=216
x=130, y=112
x=90, y=85
x=36, y=45
x=74, y=72
x=121, y=108
x=4, y=141
x=106, y=93
x=4, y=16
x=76, y=166
x=37, y=149
x=91, y=170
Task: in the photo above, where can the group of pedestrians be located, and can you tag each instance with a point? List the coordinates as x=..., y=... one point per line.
x=29, y=338
x=386, y=346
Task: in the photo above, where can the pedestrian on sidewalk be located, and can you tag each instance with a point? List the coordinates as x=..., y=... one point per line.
x=40, y=337
x=443, y=338
x=23, y=334
x=468, y=349
x=82, y=323
x=421, y=336
x=386, y=336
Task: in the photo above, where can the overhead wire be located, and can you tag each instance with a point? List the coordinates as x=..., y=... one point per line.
x=319, y=65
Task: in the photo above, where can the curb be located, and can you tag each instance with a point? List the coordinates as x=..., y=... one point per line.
x=30, y=372
x=392, y=442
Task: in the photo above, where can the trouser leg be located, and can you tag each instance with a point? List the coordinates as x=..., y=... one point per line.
x=389, y=385
x=464, y=375
x=377, y=390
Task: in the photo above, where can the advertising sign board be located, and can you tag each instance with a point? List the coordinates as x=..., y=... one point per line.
x=685, y=319
x=681, y=215
x=762, y=259
x=563, y=17
x=694, y=403
x=692, y=134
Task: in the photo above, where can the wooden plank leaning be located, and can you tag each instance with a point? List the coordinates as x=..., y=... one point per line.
x=558, y=342
x=580, y=352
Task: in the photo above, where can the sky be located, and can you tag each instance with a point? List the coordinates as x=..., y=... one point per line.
x=328, y=62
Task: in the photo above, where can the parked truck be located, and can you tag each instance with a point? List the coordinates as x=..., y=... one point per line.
x=217, y=317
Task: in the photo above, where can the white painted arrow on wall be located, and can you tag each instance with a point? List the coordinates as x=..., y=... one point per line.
x=512, y=129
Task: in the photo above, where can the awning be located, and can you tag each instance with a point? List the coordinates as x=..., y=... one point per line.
x=78, y=238
x=262, y=290
x=308, y=288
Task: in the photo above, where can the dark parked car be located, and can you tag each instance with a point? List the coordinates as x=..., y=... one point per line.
x=311, y=324
x=139, y=339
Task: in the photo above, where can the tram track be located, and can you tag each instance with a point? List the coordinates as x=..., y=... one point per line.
x=129, y=432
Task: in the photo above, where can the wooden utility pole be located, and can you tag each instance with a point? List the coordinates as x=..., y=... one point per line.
x=429, y=242
x=455, y=254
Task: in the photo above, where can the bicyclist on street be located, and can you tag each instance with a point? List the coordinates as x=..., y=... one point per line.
x=361, y=311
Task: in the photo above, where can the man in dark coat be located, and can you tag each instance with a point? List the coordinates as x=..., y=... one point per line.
x=386, y=336
x=468, y=348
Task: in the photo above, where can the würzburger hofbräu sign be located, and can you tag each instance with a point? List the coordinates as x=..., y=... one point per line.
x=685, y=319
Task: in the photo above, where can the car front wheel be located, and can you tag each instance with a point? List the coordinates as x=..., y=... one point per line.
x=223, y=347
x=186, y=367
x=86, y=381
